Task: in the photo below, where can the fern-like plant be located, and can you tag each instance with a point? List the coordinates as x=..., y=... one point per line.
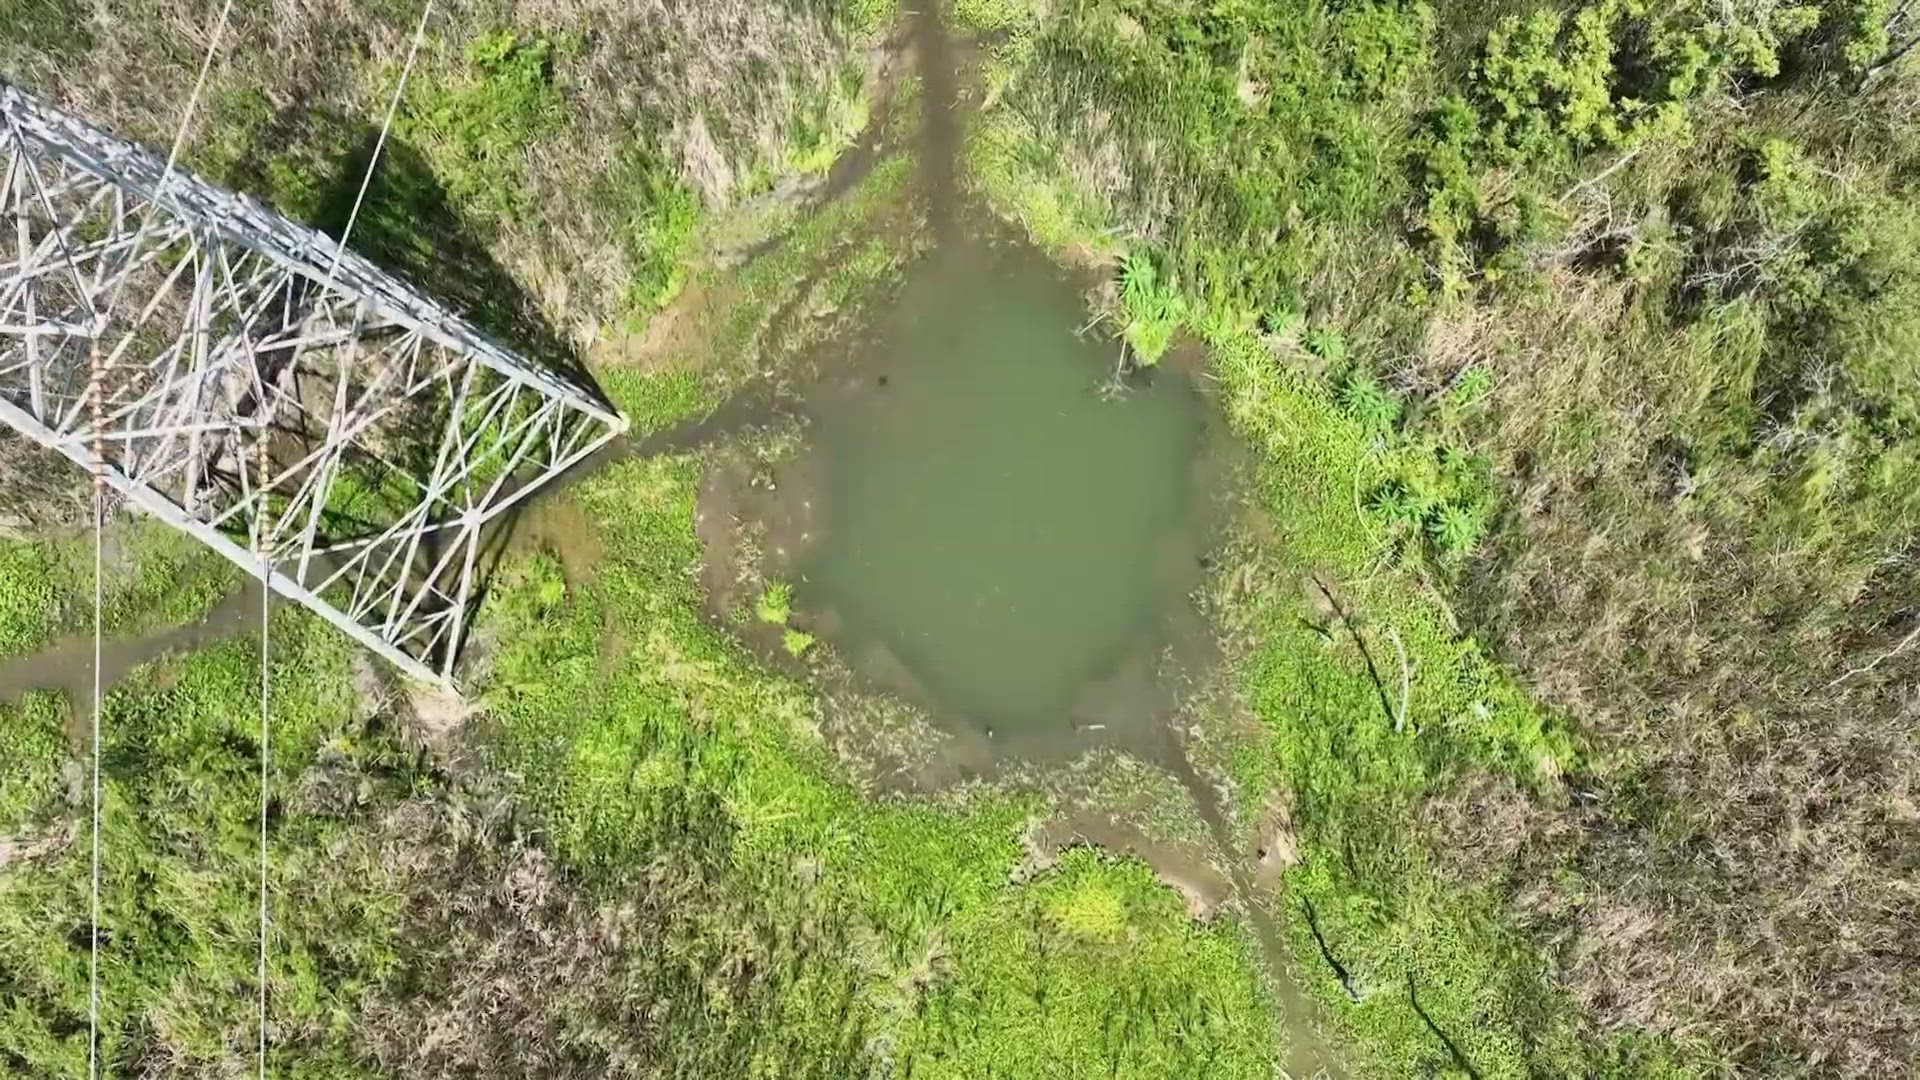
x=1396, y=505
x=1153, y=309
x=1368, y=402
x=1326, y=343
x=1455, y=530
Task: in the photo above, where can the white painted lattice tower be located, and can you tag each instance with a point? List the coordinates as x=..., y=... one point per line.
x=292, y=406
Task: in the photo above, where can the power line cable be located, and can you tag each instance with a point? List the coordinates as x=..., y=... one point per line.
x=96, y=376
x=264, y=532
x=380, y=144
x=173, y=160
x=266, y=618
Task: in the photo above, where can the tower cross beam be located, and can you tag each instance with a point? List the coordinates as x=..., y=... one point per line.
x=285, y=402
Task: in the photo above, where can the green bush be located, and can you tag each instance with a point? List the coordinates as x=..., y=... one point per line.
x=796, y=642
x=1151, y=310
x=775, y=605
x=1329, y=345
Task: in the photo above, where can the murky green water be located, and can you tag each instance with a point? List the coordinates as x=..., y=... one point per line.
x=995, y=524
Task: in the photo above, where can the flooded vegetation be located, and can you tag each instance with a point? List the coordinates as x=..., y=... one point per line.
x=66, y=665
x=1000, y=521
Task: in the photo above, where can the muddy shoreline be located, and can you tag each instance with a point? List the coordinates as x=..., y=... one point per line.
x=760, y=511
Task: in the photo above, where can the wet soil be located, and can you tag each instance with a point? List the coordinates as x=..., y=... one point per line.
x=66, y=665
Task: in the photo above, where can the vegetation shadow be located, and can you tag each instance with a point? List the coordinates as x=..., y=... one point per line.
x=407, y=226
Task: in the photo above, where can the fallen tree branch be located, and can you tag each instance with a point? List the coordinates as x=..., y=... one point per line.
x=1904, y=644
x=1601, y=175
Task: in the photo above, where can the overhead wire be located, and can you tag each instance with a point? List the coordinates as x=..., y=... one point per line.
x=263, y=543
x=199, y=84
x=380, y=144
x=97, y=406
x=263, y=534
x=96, y=378
x=173, y=156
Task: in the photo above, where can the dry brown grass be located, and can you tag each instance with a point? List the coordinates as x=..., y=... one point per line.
x=514, y=968
x=712, y=90
x=1746, y=819
x=40, y=491
x=1741, y=868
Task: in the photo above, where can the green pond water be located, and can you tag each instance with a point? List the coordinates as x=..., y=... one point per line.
x=999, y=525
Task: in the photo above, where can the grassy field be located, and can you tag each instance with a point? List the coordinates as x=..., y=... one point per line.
x=1575, y=604
x=1372, y=704
x=652, y=871
x=635, y=858
x=1580, y=339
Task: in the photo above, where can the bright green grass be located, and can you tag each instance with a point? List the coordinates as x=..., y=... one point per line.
x=32, y=744
x=34, y=597
x=1356, y=782
x=180, y=801
x=1333, y=737
x=995, y=15
x=616, y=699
x=157, y=577
x=476, y=117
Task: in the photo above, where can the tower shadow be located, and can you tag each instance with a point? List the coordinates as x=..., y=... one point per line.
x=408, y=226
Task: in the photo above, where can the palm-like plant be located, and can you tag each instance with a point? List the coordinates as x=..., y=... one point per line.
x=1153, y=309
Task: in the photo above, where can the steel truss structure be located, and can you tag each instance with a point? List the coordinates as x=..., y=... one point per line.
x=249, y=381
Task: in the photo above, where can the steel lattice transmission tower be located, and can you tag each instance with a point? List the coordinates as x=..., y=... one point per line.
x=281, y=399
